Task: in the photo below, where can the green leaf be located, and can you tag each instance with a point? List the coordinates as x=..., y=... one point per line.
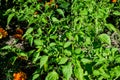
x=117, y=13
x=52, y=44
x=29, y=30
x=78, y=71
x=60, y=11
x=22, y=54
x=44, y=20
x=7, y=47
x=104, y=38
x=67, y=71
x=39, y=31
x=63, y=60
x=38, y=42
x=36, y=57
x=10, y=18
x=86, y=61
x=69, y=35
x=35, y=76
x=52, y=76
x=96, y=72
x=67, y=44
x=77, y=51
x=110, y=27
x=67, y=52
x=43, y=60
x=13, y=59
x=54, y=19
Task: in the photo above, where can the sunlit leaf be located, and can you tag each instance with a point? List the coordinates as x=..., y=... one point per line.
x=67, y=52
x=10, y=17
x=54, y=19
x=67, y=44
x=104, y=38
x=116, y=13
x=67, y=71
x=38, y=42
x=43, y=60
x=60, y=11
x=29, y=30
x=78, y=71
x=35, y=76
x=52, y=76
x=63, y=60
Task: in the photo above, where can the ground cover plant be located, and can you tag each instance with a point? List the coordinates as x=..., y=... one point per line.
x=60, y=40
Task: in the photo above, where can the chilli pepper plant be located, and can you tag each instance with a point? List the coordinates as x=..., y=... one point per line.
x=60, y=40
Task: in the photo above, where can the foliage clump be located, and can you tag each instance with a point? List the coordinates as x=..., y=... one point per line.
x=62, y=39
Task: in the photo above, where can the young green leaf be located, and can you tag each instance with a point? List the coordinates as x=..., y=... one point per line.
x=78, y=71
x=78, y=50
x=29, y=30
x=52, y=44
x=54, y=19
x=85, y=61
x=60, y=11
x=117, y=13
x=104, y=38
x=52, y=76
x=67, y=71
x=35, y=76
x=63, y=60
x=43, y=60
x=10, y=18
x=36, y=57
x=67, y=44
x=67, y=52
x=38, y=42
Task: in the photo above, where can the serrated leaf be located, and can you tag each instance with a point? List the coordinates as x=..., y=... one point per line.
x=117, y=59
x=10, y=18
x=67, y=71
x=43, y=60
x=60, y=11
x=78, y=71
x=52, y=76
x=67, y=44
x=104, y=38
x=35, y=76
x=63, y=60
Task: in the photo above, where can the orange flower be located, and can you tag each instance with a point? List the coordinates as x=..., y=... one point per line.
x=114, y=1
x=19, y=31
x=18, y=36
x=20, y=76
x=3, y=33
x=49, y=3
